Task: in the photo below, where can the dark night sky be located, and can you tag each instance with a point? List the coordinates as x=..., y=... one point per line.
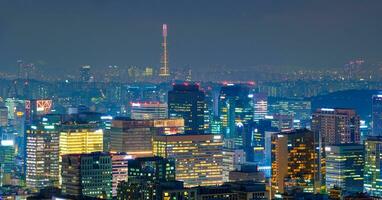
x=66, y=34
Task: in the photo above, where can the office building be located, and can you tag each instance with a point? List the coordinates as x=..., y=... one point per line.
x=344, y=167
x=87, y=175
x=298, y=108
x=336, y=126
x=7, y=161
x=198, y=158
x=233, y=159
x=373, y=166
x=295, y=163
x=3, y=116
x=148, y=110
x=145, y=177
x=120, y=170
x=235, y=110
x=135, y=136
x=80, y=138
x=376, y=109
x=283, y=123
x=42, y=158
x=187, y=101
x=261, y=106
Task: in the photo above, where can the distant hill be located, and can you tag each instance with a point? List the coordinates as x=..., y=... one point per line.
x=357, y=99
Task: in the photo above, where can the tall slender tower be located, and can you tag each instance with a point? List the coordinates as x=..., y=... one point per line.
x=164, y=70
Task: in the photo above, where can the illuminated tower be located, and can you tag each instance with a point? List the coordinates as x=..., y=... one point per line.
x=164, y=70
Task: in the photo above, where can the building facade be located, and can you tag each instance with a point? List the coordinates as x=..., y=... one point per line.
x=336, y=126
x=135, y=136
x=198, y=158
x=295, y=163
x=373, y=166
x=42, y=160
x=344, y=167
x=87, y=175
x=187, y=101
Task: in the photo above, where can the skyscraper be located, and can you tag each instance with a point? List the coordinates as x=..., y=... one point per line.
x=7, y=161
x=87, y=175
x=261, y=106
x=164, y=70
x=120, y=169
x=344, y=167
x=373, y=166
x=295, y=163
x=42, y=159
x=3, y=116
x=187, y=101
x=336, y=126
x=377, y=115
x=198, y=158
x=235, y=110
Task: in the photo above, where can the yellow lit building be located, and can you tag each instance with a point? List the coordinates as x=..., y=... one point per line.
x=295, y=162
x=80, y=138
x=198, y=158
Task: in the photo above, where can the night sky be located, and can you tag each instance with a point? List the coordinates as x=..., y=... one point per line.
x=62, y=35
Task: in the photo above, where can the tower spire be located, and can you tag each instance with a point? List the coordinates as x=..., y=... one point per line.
x=164, y=70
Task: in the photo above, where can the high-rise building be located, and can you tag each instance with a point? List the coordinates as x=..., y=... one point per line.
x=3, y=116
x=120, y=169
x=198, y=158
x=145, y=176
x=7, y=161
x=344, y=167
x=135, y=136
x=260, y=141
x=164, y=70
x=336, y=126
x=282, y=122
x=80, y=138
x=373, y=166
x=295, y=163
x=148, y=110
x=235, y=110
x=376, y=115
x=298, y=108
x=42, y=159
x=232, y=160
x=261, y=106
x=87, y=175
x=187, y=101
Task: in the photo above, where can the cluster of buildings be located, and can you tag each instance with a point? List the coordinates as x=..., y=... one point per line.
x=198, y=143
